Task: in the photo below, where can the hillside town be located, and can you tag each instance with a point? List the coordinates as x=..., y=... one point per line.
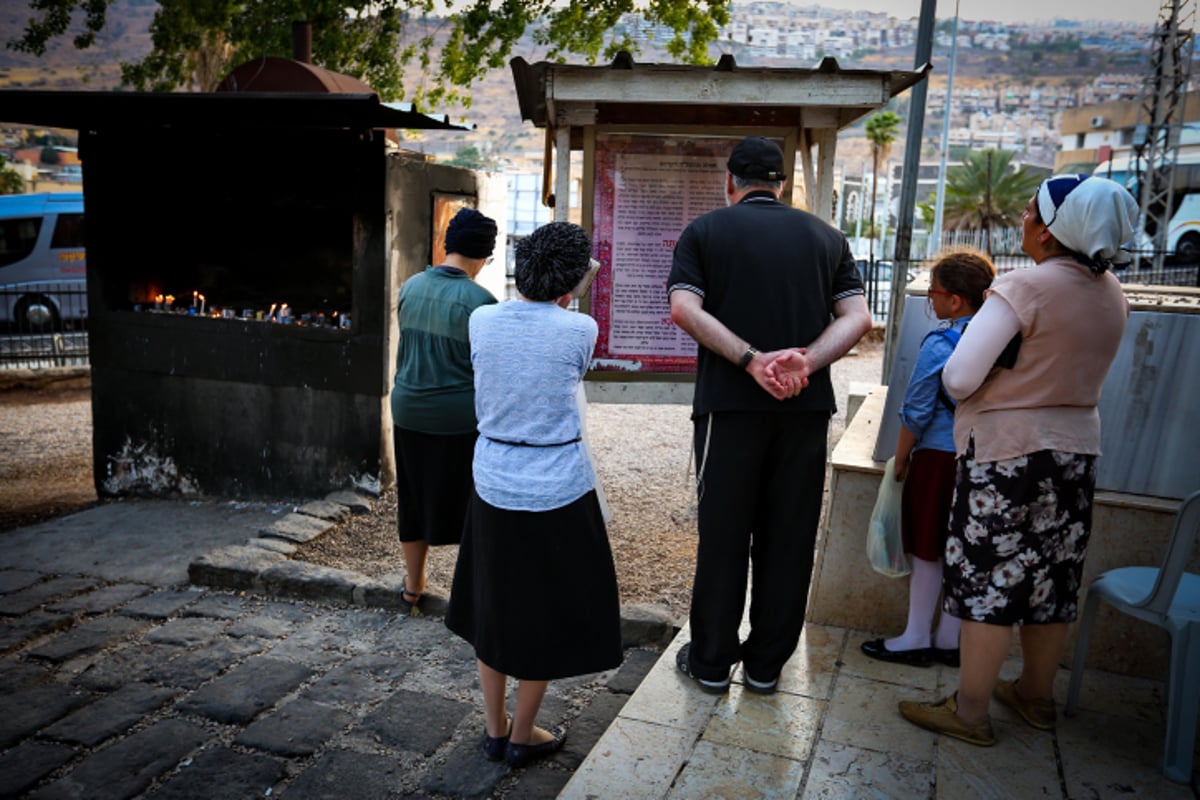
x=1015, y=84
x=993, y=106
x=594, y=436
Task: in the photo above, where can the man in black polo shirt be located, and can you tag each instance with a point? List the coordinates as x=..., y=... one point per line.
x=772, y=296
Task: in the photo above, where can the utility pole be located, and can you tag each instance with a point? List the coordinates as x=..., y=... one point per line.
x=1160, y=120
x=908, y=186
x=987, y=209
x=935, y=239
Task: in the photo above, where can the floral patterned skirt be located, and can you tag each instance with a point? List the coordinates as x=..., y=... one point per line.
x=1019, y=532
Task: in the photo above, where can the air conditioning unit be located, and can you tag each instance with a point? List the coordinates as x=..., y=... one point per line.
x=1097, y=122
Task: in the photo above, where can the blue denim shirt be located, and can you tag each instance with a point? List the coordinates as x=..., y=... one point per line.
x=922, y=411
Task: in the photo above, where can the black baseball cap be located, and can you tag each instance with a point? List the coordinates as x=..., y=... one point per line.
x=758, y=159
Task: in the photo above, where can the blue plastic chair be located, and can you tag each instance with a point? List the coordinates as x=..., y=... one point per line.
x=1169, y=598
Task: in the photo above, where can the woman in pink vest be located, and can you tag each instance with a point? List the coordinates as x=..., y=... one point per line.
x=1027, y=374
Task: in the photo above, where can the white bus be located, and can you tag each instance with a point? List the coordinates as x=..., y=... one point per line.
x=1183, y=226
x=43, y=264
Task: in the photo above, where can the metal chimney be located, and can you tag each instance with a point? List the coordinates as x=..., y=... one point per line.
x=302, y=42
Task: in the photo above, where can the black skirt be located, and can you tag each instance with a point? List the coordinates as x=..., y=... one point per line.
x=535, y=592
x=433, y=485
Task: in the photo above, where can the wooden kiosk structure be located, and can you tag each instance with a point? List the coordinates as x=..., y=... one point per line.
x=654, y=140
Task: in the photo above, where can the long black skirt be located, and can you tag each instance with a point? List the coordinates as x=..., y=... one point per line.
x=535, y=592
x=433, y=485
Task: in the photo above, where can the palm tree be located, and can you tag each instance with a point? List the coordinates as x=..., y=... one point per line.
x=10, y=180
x=985, y=191
x=881, y=132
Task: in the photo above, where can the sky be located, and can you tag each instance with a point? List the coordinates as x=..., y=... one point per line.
x=1139, y=11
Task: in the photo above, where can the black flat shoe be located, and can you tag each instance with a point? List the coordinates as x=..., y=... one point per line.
x=494, y=746
x=917, y=657
x=947, y=657
x=518, y=755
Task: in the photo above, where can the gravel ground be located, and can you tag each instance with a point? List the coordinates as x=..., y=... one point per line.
x=642, y=452
x=45, y=449
x=643, y=459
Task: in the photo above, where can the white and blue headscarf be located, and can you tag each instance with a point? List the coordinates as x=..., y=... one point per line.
x=1090, y=216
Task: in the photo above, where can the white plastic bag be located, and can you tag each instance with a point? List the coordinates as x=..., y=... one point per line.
x=885, y=543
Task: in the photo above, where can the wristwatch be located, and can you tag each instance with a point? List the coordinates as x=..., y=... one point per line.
x=747, y=357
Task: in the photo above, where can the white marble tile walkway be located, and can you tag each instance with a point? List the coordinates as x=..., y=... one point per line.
x=833, y=731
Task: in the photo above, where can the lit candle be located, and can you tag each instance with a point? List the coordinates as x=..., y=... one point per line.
x=271, y=313
x=201, y=304
x=170, y=301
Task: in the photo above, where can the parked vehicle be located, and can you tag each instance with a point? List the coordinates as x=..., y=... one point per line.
x=1183, y=231
x=43, y=264
x=878, y=277
x=1183, y=225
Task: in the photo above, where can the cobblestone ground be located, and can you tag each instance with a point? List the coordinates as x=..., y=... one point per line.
x=125, y=690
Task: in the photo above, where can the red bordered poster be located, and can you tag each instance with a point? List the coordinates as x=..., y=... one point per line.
x=647, y=189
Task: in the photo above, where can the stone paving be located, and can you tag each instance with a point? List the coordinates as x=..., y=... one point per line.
x=122, y=690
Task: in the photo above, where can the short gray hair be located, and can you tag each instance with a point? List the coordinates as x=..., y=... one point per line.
x=744, y=184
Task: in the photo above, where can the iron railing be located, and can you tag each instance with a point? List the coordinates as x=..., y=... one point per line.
x=43, y=324
x=1005, y=247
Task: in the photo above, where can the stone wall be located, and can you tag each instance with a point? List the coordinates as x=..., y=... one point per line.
x=1127, y=530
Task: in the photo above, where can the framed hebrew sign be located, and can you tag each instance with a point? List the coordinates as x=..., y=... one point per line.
x=647, y=188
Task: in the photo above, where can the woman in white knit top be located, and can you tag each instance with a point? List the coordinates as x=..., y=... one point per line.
x=535, y=589
x=1027, y=434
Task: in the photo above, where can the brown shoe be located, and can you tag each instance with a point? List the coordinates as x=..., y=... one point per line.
x=941, y=717
x=1039, y=713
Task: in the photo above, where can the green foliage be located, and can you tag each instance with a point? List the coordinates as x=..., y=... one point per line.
x=10, y=180
x=881, y=132
x=197, y=41
x=1046, y=46
x=472, y=158
x=49, y=139
x=928, y=212
x=978, y=195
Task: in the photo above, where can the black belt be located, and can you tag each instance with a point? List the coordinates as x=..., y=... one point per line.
x=533, y=444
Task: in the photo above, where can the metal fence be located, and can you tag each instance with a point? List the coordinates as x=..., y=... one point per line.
x=1004, y=245
x=43, y=325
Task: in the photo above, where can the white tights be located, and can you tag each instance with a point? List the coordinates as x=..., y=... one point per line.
x=924, y=589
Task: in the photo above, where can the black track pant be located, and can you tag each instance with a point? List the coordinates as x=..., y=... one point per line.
x=760, y=504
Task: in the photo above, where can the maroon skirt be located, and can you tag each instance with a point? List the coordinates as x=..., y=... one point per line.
x=925, y=507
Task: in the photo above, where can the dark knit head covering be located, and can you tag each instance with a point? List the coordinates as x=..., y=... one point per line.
x=552, y=260
x=471, y=234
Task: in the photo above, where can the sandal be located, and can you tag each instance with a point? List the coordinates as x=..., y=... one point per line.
x=409, y=607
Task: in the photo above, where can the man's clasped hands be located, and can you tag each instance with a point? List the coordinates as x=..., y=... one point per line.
x=782, y=373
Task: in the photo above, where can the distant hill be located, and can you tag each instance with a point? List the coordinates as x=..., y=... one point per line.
x=63, y=67
x=494, y=111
